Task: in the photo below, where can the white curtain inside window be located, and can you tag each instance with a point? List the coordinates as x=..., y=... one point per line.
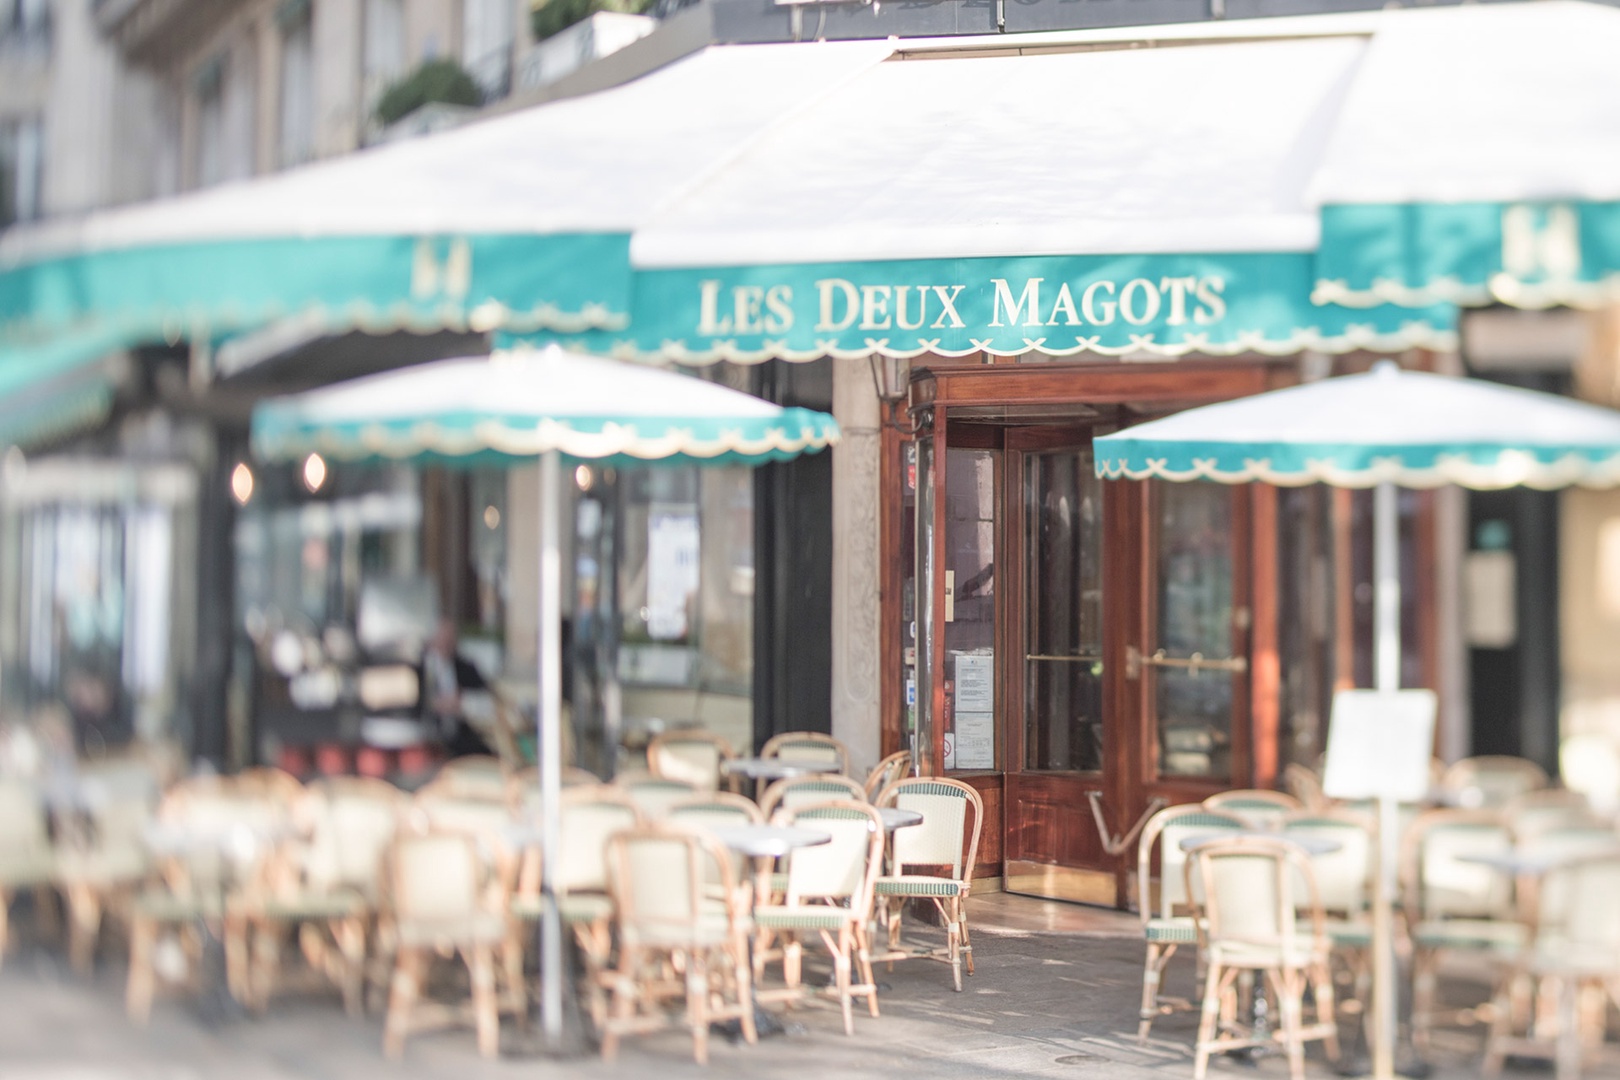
x=297, y=142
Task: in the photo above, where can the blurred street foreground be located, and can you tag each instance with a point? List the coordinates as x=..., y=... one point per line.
x=1055, y=995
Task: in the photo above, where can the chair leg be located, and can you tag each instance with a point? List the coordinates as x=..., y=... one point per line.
x=142, y=976
x=1286, y=985
x=5, y=922
x=1424, y=979
x=1502, y=1023
x=953, y=943
x=486, y=1004
x=697, y=1004
x=863, y=958
x=264, y=971
x=967, y=937
x=517, y=995
x=1326, y=1012
x=84, y=926
x=350, y=935
x=745, y=989
x=1207, y=1020
x=624, y=990
x=409, y=966
x=840, y=953
x=1152, y=972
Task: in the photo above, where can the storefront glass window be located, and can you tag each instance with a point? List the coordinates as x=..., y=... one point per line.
x=970, y=609
x=1194, y=617
x=1063, y=671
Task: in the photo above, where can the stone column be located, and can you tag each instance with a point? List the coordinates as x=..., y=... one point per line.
x=856, y=561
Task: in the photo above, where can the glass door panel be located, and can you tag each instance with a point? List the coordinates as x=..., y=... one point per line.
x=1063, y=663
x=1194, y=666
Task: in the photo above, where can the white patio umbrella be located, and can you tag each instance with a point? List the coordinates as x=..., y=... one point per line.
x=1380, y=430
x=548, y=405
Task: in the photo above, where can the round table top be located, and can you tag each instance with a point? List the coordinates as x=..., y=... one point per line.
x=756, y=768
x=768, y=841
x=896, y=818
x=1311, y=845
x=1534, y=863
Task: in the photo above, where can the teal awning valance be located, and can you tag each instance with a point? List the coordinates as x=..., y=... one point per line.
x=1101, y=305
x=565, y=282
x=1524, y=254
x=55, y=386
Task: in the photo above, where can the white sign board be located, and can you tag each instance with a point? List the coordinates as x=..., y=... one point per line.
x=1380, y=744
x=672, y=570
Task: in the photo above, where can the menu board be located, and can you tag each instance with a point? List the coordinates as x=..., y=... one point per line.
x=974, y=744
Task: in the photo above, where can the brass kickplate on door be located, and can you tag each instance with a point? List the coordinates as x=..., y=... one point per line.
x=1052, y=882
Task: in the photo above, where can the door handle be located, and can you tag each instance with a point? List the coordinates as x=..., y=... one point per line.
x=1116, y=845
x=1135, y=661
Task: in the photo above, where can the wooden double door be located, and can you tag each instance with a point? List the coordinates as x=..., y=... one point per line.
x=1105, y=627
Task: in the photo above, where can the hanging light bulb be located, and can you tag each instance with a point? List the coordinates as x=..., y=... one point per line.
x=242, y=483
x=314, y=472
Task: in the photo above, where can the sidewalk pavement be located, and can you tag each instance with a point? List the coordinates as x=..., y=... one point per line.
x=1055, y=995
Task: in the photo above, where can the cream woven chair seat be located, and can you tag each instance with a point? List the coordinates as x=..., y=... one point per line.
x=333, y=905
x=581, y=907
x=487, y=928
x=1300, y=949
x=166, y=906
x=1172, y=930
x=1488, y=934
x=801, y=917
x=919, y=885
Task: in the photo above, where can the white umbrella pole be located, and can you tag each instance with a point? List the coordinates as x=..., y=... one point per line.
x=1387, y=678
x=548, y=746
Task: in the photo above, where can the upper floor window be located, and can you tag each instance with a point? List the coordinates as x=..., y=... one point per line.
x=22, y=167
x=297, y=137
x=25, y=21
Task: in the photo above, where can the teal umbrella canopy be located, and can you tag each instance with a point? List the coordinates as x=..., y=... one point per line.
x=524, y=403
x=1409, y=428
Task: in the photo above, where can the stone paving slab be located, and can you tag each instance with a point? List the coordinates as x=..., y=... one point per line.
x=1041, y=1006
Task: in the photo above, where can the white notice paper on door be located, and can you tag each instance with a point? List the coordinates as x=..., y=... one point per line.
x=975, y=682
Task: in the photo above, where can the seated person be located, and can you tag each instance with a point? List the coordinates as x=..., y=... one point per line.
x=445, y=675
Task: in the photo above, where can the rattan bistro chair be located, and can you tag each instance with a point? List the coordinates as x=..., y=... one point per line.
x=894, y=767
x=676, y=938
x=1574, y=951
x=829, y=897
x=691, y=756
x=1168, y=924
x=934, y=861
x=26, y=858
x=1454, y=905
x=797, y=791
x=1251, y=924
x=809, y=747
x=1261, y=808
x=438, y=899
x=1491, y=780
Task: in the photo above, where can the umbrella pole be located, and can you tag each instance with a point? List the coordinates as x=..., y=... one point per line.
x=548, y=747
x=1387, y=675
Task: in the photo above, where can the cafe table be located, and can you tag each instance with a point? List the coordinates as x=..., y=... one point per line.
x=764, y=844
x=763, y=770
x=1529, y=867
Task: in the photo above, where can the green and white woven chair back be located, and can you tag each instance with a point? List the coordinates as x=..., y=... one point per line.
x=1173, y=860
x=1251, y=898
x=1588, y=915
x=690, y=761
x=1343, y=877
x=833, y=870
x=809, y=790
x=1453, y=888
x=655, y=798
x=1553, y=900
x=586, y=826
x=808, y=753
x=347, y=846
x=485, y=821
x=653, y=888
x=941, y=839
x=436, y=877
x=473, y=778
x=708, y=816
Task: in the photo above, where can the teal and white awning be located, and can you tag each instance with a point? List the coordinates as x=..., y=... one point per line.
x=520, y=222
x=524, y=403
x=1138, y=306
x=1476, y=160
x=1404, y=427
x=1525, y=254
x=58, y=385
